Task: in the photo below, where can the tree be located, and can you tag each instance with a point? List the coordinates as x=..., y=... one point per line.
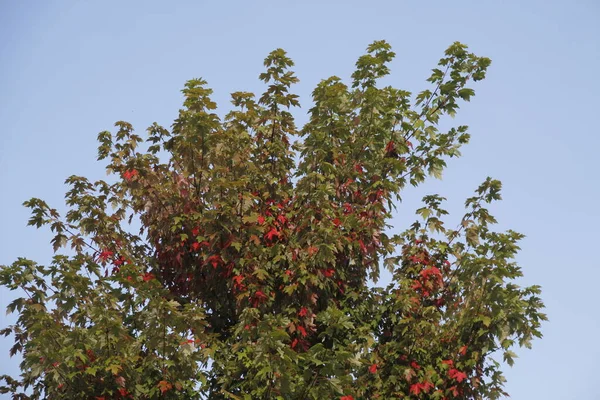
x=249, y=276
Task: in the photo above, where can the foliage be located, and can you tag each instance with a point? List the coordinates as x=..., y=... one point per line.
x=249, y=276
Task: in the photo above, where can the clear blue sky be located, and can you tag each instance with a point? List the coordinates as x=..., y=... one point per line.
x=70, y=69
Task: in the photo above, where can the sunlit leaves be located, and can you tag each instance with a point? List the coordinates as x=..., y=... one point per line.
x=247, y=274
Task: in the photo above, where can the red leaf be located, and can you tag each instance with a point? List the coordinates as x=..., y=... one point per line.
x=329, y=272
x=119, y=261
x=260, y=295
x=261, y=220
x=148, y=277
x=273, y=232
x=448, y=362
x=363, y=248
x=456, y=374
x=455, y=391
x=348, y=397
x=105, y=255
x=303, y=312
x=431, y=271
x=238, y=279
x=215, y=260
x=301, y=330
x=416, y=285
x=347, y=208
x=195, y=246
x=463, y=350
x=390, y=147
x=421, y=387
x=129, y=174
x=164, y=386
x=415, y=389
x=426, y=386
x=373, y=369
x=337, y=222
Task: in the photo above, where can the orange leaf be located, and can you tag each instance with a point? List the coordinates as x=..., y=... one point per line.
x=164, y=386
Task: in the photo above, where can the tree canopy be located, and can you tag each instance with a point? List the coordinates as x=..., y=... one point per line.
x=251, y=275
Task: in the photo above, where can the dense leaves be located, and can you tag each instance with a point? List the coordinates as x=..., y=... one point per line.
x=249, y=276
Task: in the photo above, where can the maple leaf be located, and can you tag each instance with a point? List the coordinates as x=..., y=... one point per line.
x=463, y=350
x=409, y=374
x=129, y=174
x=119, y=261
x=363, y=248
x=426, y=386
x=238, y=279
x=456, y=374
x=273, y=232
x=148, y=277
x=348, y=397
x=373, y=368
x=260, y=295
x=301, y=330
x=415, y=365
x=261, y=220
x=390, y=147
x=105, y=255
x=455, y=391
x=415, y=388
x=195, y=246
x=416, y=285
x=215, y=260
x=119, y=380
x=195, y=231
x=337, y=222
x=164, y=386
x=448, y=362
x=430, y=271
x=303, y=312
x=329, y=272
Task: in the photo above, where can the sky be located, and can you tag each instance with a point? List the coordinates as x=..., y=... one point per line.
x=70, y=69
